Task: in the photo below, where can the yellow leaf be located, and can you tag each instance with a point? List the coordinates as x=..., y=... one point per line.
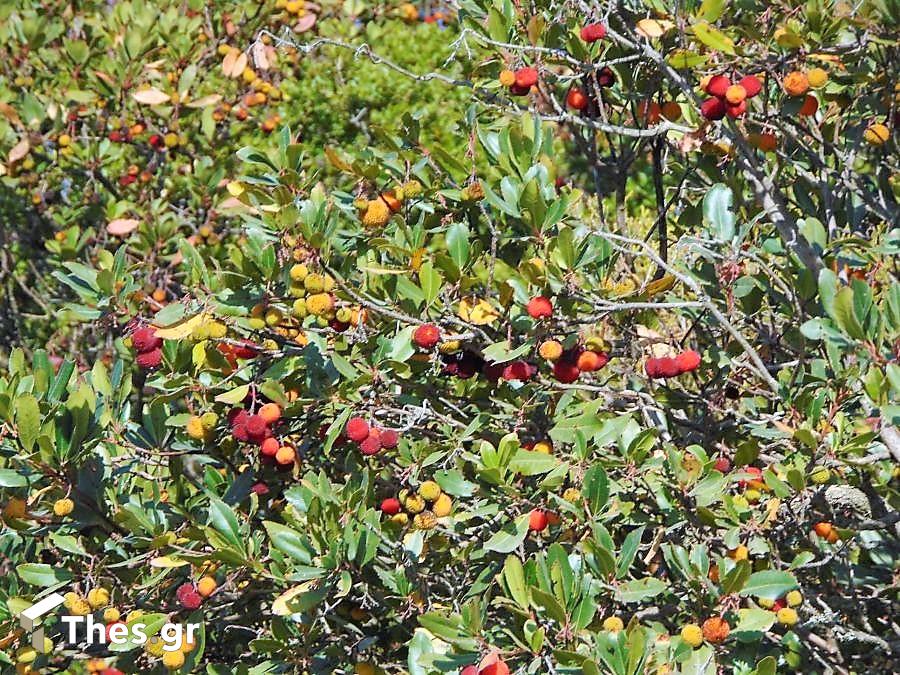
x=182, y=329
x=234, y=63
x=652, y=28
x=165, y=561
x=235, y=188
x=336, y=161
x=477, y=311
x=281, y=606
x=658, y=286
x=152, y=96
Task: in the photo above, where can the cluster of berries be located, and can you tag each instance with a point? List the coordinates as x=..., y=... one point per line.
x=370, y=439
x=148, y=347
x=568, y=366
x=673, y=367
x=728, y=98
x=257, y=428
x=428, y=503
x=519, y=81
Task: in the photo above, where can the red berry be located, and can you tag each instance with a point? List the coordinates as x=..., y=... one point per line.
x=751, y=85
x=565, y=371
x=576, y=99
x=192, y=600
x=145, y=340
x=593, y=32
x=184, y=590
x=713, y=109
x=516, y=90
x=256, y=427
x=537, y=520
x=357, y=429
x=260, y=489
x=390, y=506
x=496, y=668
x=735, y=111
x=526, y=77
x=469, y=670
x=717, y=86
x=540, y=307
x=389, y=438
x=606, y=77
x=688, y=361
x=427, y=336
x=111, y=671
x=651, y=367
x=723, y=464
x=372, y=444
x=668, y=367
x=269, y=447
x=518, y=370
x=149, y=360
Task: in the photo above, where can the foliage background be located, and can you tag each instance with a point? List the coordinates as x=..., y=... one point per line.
x=779, y=268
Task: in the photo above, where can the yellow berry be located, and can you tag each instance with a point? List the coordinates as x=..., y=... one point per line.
x=613, y=624
x=739, y=553
x=877, y=134
x=442, y=506
x=195, y=427
x=414, y=504
x=63, y=507
x=98, y=598
x=794, y=598
x=299, y=272
x=173, y=660
x=692, y=634
x=817, y=77
x=425, y=521
x=154, y=646
x=111, y=615
x=64, y=140
x=429, y=490
x=787, y=616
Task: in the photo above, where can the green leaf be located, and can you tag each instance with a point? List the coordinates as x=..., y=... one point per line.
x=736, y=578
x=43, y=575
x=640, y=589
x=595, y=487
x=288, y=540
x=509, y=537
x=769, y=584
x=222, y=518
x=531, y=463
x=11, y=479
x=845, y=315
x=514, y=576
x=458, y=244
x=751, y=622
x=28, y=420
x=717, y=211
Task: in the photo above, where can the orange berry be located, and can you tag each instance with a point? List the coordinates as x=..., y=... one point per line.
x=795, y=83
x=285, y=455
x=671, y=111
x=206, y=586
x=735, y=94
x=550, y=350
x=270, y=412
x=716, y=629
x=809, y=107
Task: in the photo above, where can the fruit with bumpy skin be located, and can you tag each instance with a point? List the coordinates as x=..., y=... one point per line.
x=735, y=111
x=817, y=77
x=372, y=443
x=613, y=624
x=795, y=83
x=877, y=134
x=572, y=495
x=63, y=507
x=692, y=634
x=550, y=350
x=526, y=77
x=751, y=84
x=149, y=360
x=735, y=94
x=718, y=86
x=206, y=586
x=299, y=272
x=723, y=464
x=715, y=629
x=809, y=107
x=537, y=520
x=425, y=521
x=389, y=439
x=427, y=336
x=565, y=371
x=377, y=214
x=794, y=598
x=593, y=32
x=145, y=340
x=469, y=670
x=787, y=616
x=713, y=109
x=498, y=667
x=507, y=78
x=286, y=455
x=540, y=307
x=98, y=598
x=270, y=412
x=390, y=506
x=576, y=99
x=194, y=427
x=442, y=506
x=357, y=429
x=429, y=490
x=173, y=660
x=209, y=420
x=688, y=360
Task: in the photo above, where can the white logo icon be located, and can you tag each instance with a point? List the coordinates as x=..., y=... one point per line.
x=30, y=618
